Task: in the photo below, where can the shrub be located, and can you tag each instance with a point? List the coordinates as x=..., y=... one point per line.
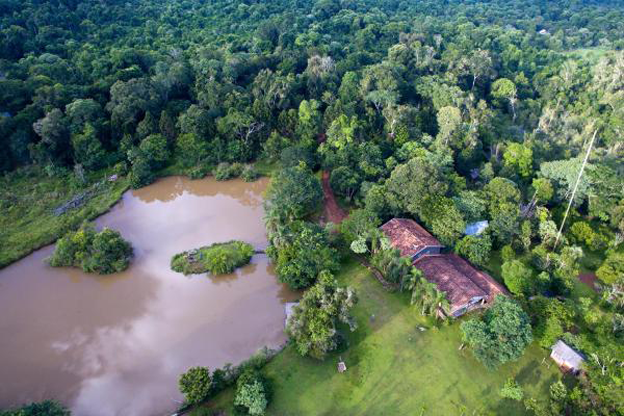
x=251, y=393
x=222, y=172
x=250, y=174
x=198, y=172
x=511, y=390
x=475, y=248
x=582, y=233
x=105, y=252
x=45, y=408
x=612, y=268
x=508, y=253
x=517, y=277
x=218, y=258
x=225, y=171
x=195, y=384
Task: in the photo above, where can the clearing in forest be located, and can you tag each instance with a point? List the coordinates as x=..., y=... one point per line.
x=394, y=368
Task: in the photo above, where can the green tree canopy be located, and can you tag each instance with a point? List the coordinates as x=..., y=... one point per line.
x=312, y=327
x=294, y=193
x=195, y=384
x=501, y=335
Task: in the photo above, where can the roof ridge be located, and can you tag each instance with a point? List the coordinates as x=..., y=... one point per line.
x=478, y=276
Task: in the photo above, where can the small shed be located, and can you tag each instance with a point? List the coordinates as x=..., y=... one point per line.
x=566, y=357
x=476, y=228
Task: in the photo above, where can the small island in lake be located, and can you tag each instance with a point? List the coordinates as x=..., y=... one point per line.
x=218, y=258
x=103, y=252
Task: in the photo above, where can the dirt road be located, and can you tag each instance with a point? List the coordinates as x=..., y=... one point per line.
x=333, y=212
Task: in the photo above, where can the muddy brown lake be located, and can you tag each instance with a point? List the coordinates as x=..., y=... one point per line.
x=115, y=345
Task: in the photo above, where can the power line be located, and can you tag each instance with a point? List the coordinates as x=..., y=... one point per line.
x=578, y=180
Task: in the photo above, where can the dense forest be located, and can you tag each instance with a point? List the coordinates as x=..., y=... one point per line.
x=449, y=112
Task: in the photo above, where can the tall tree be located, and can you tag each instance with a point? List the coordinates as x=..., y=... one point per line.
x=501, y=335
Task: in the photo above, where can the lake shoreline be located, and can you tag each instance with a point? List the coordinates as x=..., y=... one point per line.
x=100, y=338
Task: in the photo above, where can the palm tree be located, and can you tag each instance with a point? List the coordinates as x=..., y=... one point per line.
x=419, y=290
x=427, y=297
x=411, y=279
x=429, y=300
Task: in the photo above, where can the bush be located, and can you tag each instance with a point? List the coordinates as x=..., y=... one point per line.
x=105, y=252
x=582, y=233
x=198, y=172
x=511, y=390
x=251, y=393
x=612, y=268
x=250, y=174
x=475, y=248
x=508, y=253
x=218, y=258
x=294, y=155
x=518, y=277
x=45, y=408
x=195, y=384
x=225, y=171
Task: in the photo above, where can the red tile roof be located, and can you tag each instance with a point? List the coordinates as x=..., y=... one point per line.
x=452, y=274
x=458, y=279
x=408, y=236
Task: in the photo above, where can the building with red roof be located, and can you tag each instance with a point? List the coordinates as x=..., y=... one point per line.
x=466, y=287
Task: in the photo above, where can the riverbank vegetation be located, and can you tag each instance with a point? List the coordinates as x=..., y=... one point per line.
x=45, y=408
x=102, y=252
x=37, y=209
x=217, y=258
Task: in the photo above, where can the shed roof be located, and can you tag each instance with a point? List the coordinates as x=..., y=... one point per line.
x=408, y=236
x=564, y=354
x=458, y=279
x=476, y=228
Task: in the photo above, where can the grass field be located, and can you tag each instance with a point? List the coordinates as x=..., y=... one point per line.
x=395, y=369
x=28, y=198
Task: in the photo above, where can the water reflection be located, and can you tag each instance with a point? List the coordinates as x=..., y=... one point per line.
x=115, y=345
x=248, y=194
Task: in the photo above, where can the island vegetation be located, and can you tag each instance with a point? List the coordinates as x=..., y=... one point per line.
x=449, y=113
x=217, y=258
x=44, y=408
x=102, y=252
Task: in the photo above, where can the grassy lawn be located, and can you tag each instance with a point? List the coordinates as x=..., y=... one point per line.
x=28, y=198
x=395, y=369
